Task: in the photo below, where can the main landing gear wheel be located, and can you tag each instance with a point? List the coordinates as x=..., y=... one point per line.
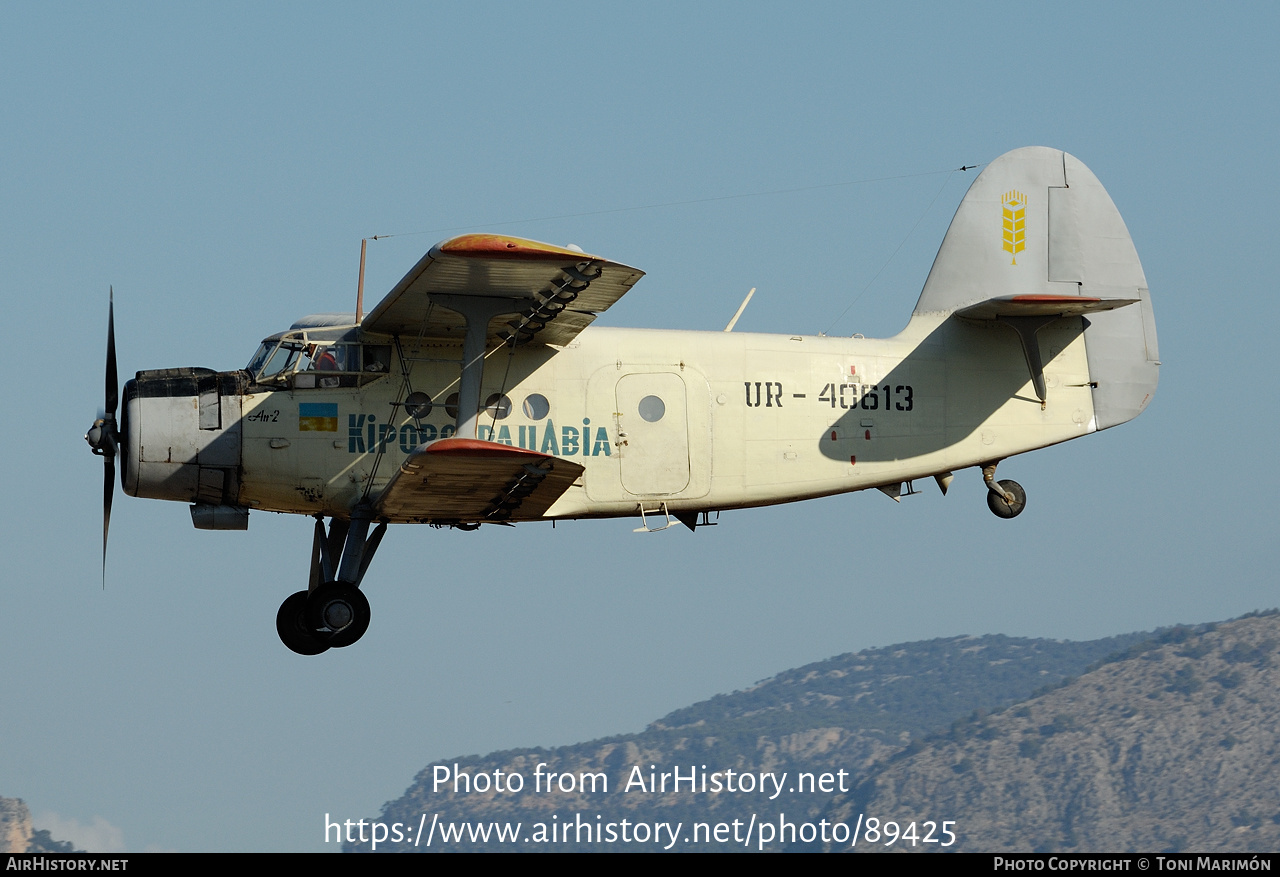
x=332, y=612
x=338, y=612
x=1009, y=507
x=291, y=624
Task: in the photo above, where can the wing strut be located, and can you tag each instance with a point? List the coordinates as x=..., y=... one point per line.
x=477, y=311
x=344, y=554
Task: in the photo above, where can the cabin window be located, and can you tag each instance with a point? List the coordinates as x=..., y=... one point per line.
x=536, y=406
x=652, y=409
x=417, y=405
x=497, y=406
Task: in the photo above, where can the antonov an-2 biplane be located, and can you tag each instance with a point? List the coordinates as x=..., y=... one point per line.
x=477, y=392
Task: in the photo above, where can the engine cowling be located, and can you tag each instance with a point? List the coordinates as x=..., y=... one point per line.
x=181, y=436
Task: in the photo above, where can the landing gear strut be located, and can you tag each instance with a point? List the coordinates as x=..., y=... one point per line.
x=1006, y=499
x=333, y=612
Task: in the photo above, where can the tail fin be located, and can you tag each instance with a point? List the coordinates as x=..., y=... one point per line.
x=1036, y=235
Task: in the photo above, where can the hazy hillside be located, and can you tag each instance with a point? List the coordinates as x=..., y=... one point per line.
x=1175, y=746
x=844, y=714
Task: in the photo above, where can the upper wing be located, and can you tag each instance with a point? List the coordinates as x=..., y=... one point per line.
x=555, y=292
x=457, y=480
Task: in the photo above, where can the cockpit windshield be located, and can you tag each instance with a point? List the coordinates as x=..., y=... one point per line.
x=283, y=359
x=260, y=358
x=319, y=358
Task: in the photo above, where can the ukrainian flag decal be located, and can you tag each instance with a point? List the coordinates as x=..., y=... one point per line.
x=317, y=417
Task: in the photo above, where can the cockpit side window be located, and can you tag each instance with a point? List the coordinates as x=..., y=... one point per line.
x=328, y=357
x=377, y=358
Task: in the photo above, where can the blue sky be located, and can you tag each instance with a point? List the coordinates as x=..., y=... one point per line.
x=219, y=165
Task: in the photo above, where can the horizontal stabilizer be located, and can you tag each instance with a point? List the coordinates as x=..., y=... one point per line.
x=1041, y=306
x=456, y=480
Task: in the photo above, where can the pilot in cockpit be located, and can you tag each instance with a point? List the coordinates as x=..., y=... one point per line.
x=322, y=359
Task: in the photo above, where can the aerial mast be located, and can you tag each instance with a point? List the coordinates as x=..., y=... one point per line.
x=360, y=283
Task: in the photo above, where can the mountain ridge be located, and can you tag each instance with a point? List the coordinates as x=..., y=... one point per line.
x=843, y=714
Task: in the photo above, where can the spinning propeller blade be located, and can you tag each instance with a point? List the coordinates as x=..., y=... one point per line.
x=108, y=489
x=112, y=388
x=103, y=437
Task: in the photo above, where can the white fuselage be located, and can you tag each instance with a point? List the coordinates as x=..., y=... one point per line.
x=741, y=419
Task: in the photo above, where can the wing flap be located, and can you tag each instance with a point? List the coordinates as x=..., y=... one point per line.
x=457, y=480
x=554, y=291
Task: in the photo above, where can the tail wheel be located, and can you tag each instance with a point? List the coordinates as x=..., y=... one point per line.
x=1011, y=507
x=338, y=612
x=291, y=625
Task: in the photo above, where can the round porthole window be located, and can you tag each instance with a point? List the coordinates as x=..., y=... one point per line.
x=536, y=406
x=417, y=405
x=652, y=409
x=451, y=406
x=497, y=406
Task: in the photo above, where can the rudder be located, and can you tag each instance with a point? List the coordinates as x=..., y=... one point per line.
x=1036, y=231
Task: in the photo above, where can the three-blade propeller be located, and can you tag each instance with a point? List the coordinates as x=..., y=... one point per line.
x=104, y=437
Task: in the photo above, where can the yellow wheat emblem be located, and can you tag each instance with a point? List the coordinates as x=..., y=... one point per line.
x=1015, y=223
